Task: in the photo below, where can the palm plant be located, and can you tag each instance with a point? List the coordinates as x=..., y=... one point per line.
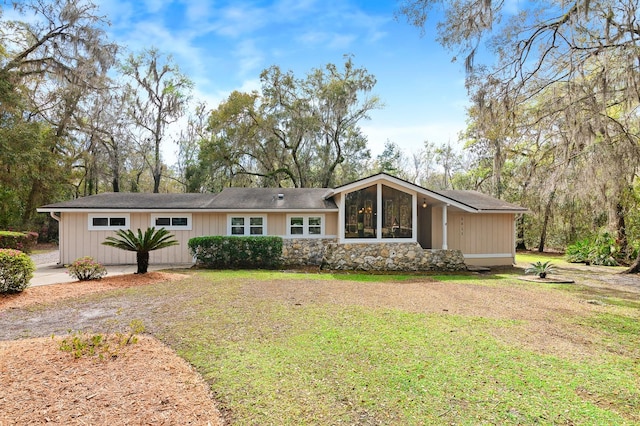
x=541, y=269
x=142, y=244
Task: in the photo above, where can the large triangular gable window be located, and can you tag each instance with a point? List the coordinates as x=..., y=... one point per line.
x=364, y=206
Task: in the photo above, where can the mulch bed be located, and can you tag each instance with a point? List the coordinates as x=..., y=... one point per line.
x=145, y=383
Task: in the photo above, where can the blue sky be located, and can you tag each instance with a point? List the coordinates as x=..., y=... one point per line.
x=223, y=45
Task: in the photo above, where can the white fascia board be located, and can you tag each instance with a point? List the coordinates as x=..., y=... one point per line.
x=503, y=211
x=424, y=192
x=106, y=210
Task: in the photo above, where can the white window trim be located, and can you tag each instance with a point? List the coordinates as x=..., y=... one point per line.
x=188, y=227
x=305, y=226
x=126, y=216
x=247, y=225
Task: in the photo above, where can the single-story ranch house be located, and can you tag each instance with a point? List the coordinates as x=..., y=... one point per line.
x=376, y=223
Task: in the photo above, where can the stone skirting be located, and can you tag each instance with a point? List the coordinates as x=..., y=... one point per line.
x=330, y=254
x=304, y=251
x=390, y=257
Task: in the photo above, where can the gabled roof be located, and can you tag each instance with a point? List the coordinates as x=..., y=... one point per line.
x=289, y=199
x=469, y=201
x=279, y=199
x=482, y=202
x=274, y=199
x=134, y=201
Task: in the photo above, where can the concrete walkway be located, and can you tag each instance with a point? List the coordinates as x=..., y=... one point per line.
x=54, y=273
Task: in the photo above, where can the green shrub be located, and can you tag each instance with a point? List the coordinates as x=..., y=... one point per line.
x=541, y=269
x=236, y=252
x=16, y=269
x=23, y=241
x=86, y=269
x=578, y=252
x=599, y=250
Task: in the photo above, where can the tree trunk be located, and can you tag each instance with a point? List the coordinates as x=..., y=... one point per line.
x=143, y=262
x=621, y=229
x=635, y=268
x=547, y=214
x=520, y=245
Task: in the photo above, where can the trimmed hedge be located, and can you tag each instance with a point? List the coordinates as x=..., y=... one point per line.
x=236, y=252
x=23, y=241
x=16, y=269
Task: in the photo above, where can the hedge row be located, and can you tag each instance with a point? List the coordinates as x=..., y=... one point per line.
x=23, y=241
x=236, y=252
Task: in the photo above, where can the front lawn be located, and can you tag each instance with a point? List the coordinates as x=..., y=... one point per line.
x=285, y=349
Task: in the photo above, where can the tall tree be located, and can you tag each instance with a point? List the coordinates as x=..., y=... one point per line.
x=295, y=132
x=49, y=62
x=572, y=61
x=158, y=96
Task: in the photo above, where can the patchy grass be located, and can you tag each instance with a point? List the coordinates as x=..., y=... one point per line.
x=273, y=362
x=557, y=259
x=272, y=357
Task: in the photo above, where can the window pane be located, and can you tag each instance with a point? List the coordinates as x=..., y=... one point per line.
x=237, y=230
x=100, y=221
x=256, y=230
x=315, y=221
x=297, y=230
x=361, y=213
x=237, y=221
x=163, y=221
x=255, y=221
x=297, y=221
x=179, y=221
x=315, y=230
x=117, y=221
x=397, y=214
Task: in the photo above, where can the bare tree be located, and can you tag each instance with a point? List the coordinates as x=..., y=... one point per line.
x=158, y=95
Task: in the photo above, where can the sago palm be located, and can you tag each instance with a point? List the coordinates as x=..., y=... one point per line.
x=142, y=244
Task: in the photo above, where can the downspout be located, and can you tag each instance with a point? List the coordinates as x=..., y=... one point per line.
x=57, y=219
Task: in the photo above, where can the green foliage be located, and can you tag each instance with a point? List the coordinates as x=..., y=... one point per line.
x=16, y=269
x=142, y=244
x=601, y=250
x=541, y=269
x=23, y=241
x=235, y=252
x=86, y=269
x=104, y=346
x=151, y=240
x=301, y=132
x=578, y=252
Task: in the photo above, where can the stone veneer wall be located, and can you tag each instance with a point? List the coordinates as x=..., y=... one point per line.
x=304, y=251
x=369, y=256
x=391, y=257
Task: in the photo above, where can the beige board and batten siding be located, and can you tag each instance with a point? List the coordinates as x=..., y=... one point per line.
x=79, y=241
x=485, y=239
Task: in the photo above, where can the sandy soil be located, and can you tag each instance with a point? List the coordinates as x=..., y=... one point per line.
x=148, y=382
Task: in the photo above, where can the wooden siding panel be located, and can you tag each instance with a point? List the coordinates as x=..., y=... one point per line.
x=78, y=241
x=331, y=224
x=481, y=233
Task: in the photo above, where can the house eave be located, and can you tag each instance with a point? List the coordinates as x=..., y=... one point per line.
x=184, y=210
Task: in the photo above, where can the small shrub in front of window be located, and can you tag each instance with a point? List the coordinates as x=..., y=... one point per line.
x=86, y=269
x=16, y=269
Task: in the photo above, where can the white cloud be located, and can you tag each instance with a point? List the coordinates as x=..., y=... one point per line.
x=250, y=58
